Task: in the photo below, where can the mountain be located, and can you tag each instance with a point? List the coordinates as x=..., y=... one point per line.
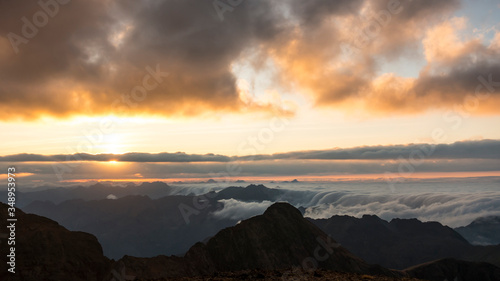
x=94, y=192
x=138, y=225
x=280, y=238
x=278, y=245
x=44, y=250
x=482, y=231
x=401, y=243
x=252, y=192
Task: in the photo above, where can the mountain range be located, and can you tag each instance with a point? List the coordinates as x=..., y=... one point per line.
x=279, y=244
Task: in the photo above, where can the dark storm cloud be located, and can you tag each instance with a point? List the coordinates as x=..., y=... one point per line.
x=90, y=53
x=90, y=57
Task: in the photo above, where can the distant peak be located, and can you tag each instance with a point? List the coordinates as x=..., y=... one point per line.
x=256, y=186
x=281, y=208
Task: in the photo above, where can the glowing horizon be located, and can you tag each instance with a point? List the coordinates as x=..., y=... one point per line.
x=117, y=80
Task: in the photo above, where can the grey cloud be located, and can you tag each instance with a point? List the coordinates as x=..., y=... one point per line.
x=483, y=149
x=72, y=66
x=127, y=157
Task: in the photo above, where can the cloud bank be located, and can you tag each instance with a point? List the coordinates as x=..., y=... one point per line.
x=483, y=149
x=450, y=208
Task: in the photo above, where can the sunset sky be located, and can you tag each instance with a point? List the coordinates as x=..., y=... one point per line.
x=184, y=89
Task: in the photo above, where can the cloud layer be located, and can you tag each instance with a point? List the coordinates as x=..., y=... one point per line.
x=239, y=210
x=453, y=208
x=483, y=149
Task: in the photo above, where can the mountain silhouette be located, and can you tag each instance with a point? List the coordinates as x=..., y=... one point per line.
x=45, y=250
x=401, y=243
x=482, y=231
x=279, y=239
x=277, y=245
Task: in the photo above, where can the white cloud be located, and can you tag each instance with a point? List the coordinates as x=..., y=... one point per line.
x=238, y=210
x=452, y=209
x=112, y=197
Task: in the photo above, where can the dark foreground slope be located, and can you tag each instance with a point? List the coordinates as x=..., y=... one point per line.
x=278, y=245
x=45, y=250
x=451, y=269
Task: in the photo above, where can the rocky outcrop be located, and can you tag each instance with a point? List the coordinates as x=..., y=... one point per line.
x=44, y=250
x=452, y=269
x=280, y=238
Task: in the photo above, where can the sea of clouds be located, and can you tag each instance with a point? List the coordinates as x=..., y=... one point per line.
x=452, y=202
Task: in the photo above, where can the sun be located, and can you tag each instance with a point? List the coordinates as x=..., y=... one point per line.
x=112, y=143
x=113, y=162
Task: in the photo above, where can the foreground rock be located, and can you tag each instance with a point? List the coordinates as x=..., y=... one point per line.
x=47, y=251
x=288, y=275
x=280, y=238
x=278, y=245
x=451, y=269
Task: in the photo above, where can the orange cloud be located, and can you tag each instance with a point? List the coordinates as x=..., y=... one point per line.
x=175, y=58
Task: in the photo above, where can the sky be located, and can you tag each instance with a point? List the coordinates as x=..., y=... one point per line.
x=191, y=89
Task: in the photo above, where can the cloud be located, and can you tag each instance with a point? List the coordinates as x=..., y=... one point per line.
x=111, y=197
x=93, y=57
x=482, y=149
x=238, y=210
x=456, y=208
x=338, y=62
x=126, y=157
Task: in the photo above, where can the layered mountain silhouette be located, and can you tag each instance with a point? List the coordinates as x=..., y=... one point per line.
x=401, y=243
x=279, y=243
x=138, y=225
x=154, y=190
x=255, y=193
x=94, y=192
x=279, y=239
